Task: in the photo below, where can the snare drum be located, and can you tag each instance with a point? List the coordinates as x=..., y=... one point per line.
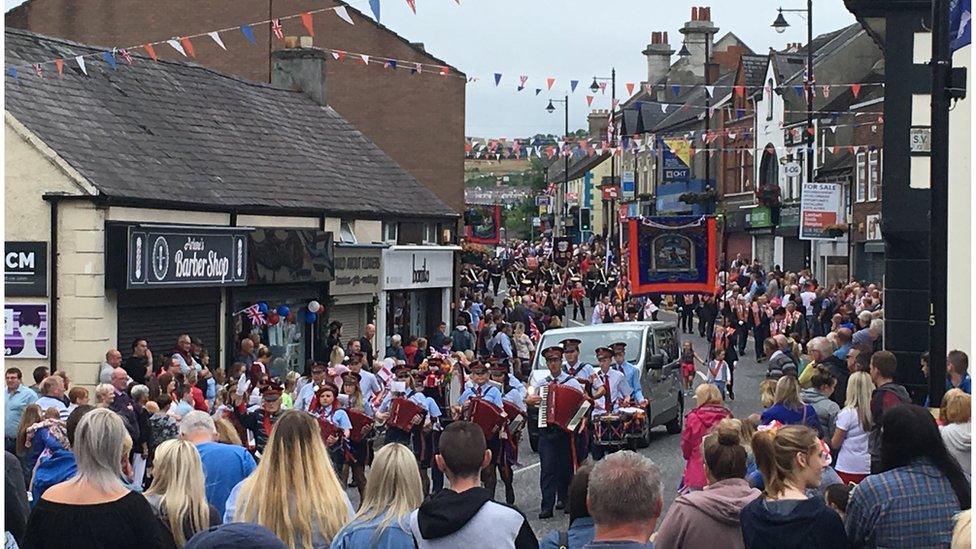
x=633, y=421
x=609, y=430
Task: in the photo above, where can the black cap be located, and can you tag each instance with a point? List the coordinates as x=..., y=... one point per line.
x=478, y=367
x=235, y=535
x=604, y=351
x=570, y=345
x=553, y=350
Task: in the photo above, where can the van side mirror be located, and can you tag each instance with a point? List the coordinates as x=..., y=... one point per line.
x=654, y=362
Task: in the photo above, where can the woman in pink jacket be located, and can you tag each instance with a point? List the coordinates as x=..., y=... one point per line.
x=698, y=423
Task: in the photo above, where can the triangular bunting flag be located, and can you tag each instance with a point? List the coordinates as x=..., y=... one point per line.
x=188, y=46
x=538, y=91
x=856, y=90
x=150, y=50
x=109, y=58
x=549, y=82
x=603, y=87
x=337, y=55
x=740, y=90
x=798, y=90
x=630, y=88
x=417, y=68
x=589, y=100
x=413, y=6
x=522, y=79
x=826, y=91
x=519, y=88
x=307, y=23
x=676, y=89
x=39, y=70
x=498, y=78
x=216, y=38
x=81, y=64
x=12, y=71
x=710, y=91
x=572, y=85
x=444, y=71
x=126, y=55
x=648, y=89
x=664, y=107
x=364, y=58
x=375, y=6
x=390, y=64
x=59, y=64
x=344, y=14
x=248, y=34
x=176, y=46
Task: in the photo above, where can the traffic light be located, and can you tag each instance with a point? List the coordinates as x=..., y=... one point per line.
x=584, y=219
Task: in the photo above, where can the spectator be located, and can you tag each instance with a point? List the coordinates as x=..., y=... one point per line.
x=961, y=534
x=95, y=506
x=836, y=497
x=176, y=493
x=104, y=395
x=183, y=353
x=77, y=396
x=52, y=389
x=140, y=397
x=955, y=414
x=124, y=405
x=139, y=364
x=957, y=368
x=437, y=340
x=911, y=502
x=393, y=492
x=113, y=360
x=462, y=337
x=16, y=509
x=886, y=396
x=790, y=459
x=237, y=535
x=787, y=407
x=61, y=465
x=464, y=514
x=818, y=396
x=319, y=510
x=524, y=347
x=701, y=519
x=780, y=363
x=854, y=422
x=706, y=415
x=624, y=497
x=227, y=433
x=162, y=426
x=224, y=465
x=18, y=398
x=245, y=354
x=581, y=530
x=366, y=343
x=844, y=343
x=39, y=374
x=395, y=350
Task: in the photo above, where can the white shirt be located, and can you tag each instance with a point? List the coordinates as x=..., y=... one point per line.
x=853, y=456
x=723, y=371
x=619, y=390
x=807, y=298
x=562, y=379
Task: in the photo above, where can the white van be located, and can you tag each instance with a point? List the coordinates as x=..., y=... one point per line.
x=653, y=347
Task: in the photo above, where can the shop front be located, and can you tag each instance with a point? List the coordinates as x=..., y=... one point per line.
x=287, y=282
x=356, y=288
x=759, y=224
x=738, y=243
x=869, y=260
x=790, y=253
x=416, y=297
x=169, y=281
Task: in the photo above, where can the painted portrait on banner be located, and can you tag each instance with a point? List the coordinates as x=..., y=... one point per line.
x=483, y=224
x=673, y=254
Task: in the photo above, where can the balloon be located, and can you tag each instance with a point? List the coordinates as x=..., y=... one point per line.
x=291, y=317
x=283, y=310
x=311, y=317
x=263, y=306
x=273, y=318
x=314, y=306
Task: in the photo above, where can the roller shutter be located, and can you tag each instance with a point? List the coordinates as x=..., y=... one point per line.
x=160, y=316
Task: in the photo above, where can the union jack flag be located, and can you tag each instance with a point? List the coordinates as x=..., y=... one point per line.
x=534, y=331
x=276, y=29
x=126, y=55
x=39, y=70
x=255, y=315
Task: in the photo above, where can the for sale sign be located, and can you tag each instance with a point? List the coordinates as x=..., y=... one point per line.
x=820, y=211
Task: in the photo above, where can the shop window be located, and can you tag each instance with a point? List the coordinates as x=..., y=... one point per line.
x=874, y=174
x=861, y=177
x=390, y=232
x=347, y=234
x=769, y=99
x=411, y=233
x=430, y=233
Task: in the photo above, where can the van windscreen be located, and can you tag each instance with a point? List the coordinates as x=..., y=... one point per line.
x=590, y=341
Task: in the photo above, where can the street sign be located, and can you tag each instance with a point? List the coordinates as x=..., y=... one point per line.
x=542, y=200
x=611, y=193
x=792, y=169
x=627, y=187
x=920, y=139
x=536, y=221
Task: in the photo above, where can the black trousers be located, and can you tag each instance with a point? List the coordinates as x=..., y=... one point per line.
x=495, y=283
x=705, y=327
x=759, y=334
x=578, y=306
x=556, y=464
x=742, y=337
x=687, y=319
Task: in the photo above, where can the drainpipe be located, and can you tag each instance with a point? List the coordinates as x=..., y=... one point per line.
x=52, y=317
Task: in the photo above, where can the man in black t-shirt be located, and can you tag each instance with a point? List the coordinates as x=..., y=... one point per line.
x=139, y=364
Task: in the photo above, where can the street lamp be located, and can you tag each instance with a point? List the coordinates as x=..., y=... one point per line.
x=613, y=166
x=780, y=24
x=560, y=195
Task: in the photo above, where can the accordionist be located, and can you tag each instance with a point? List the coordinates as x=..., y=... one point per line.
x=418, y=437
x=555, y=450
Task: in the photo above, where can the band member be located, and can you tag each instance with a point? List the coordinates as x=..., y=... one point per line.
x=358, y=451
x=555, y=452
x=572, y=364
x=479, y=388
x=326, y=409
x=611, y=395
x=307, y=393
x=369, y=384
x=741, y=312
x=513, y=392
x=419, y=436
x=630, y=372
x=759, y=323
x=260, y=422
x=687, y=303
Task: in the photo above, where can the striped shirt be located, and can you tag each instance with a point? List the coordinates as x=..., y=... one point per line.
x=910, y=506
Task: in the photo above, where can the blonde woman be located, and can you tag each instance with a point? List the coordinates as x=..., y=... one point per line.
x=177, y=495
x=226, y=433
x=524, y=348
x=788, y=408
x=304, y=506
x=854, y=424
x=104, y=395
x=94, y=508
x=393, y=491
x=954, y=417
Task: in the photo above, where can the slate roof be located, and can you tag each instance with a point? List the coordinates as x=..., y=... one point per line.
x=754, y=67
x=179, y=134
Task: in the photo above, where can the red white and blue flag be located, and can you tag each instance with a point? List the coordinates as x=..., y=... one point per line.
x=255, y=315
x=276, y=29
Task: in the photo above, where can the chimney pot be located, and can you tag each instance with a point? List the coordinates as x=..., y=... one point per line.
x=291, y=42
x=305, y=41
x=666, y=38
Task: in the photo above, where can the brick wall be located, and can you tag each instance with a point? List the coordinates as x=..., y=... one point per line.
x=418, y=120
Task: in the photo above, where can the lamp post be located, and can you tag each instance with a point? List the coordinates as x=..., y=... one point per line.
x=613, y=137
x=708, y=105
x=560, y=196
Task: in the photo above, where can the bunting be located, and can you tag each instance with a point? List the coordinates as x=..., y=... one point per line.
x=549, y=82
x=188, y=46
x=343, y=14
x=216, y=38
x=176, y=46
x=856, y=90
x=307, y=21
x=81, y=65
x=246, y=31
x=374, y=5
x=572, y=85
x=413, y=6
x=59, y=65
x=498, y=78
x=126, y=55
x=630, y=88
x=277, y=30
x=589, y=100
x=110, y=59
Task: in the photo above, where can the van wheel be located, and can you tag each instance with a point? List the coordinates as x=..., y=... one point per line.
x=675, y=425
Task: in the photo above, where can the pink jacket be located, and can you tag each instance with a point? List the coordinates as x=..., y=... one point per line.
x=698, y=423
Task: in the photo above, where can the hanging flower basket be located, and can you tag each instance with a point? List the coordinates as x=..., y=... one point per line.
x=835, y=231
x=706, y=197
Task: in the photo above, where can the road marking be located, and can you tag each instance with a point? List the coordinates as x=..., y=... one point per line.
x=526, y=468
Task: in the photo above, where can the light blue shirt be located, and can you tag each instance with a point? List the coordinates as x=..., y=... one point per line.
x=305, y=396
x=361, y=534
x=182, y=408
x=581, y=532
x=338, y=417
x=369, y=384
x=516, y=396
x=632, y=375
x=583, y=370
x=23, y=397
x=224, y=466
x=230, y=509
x=842, y=351
x=433, y=411
x=488, y=392
x=506, y=342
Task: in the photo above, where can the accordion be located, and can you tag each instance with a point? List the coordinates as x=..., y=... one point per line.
x=486, y=415
x=402, y=412
x=516, y=417
x=362, y=425
x=329, y=429
x=562, y=406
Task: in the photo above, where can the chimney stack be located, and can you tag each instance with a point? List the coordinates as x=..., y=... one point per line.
x=697, y=32
x=300, y=69
x=658, y=54
x=598, y=120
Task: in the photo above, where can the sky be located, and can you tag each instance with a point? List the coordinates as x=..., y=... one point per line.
x=569, y=39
